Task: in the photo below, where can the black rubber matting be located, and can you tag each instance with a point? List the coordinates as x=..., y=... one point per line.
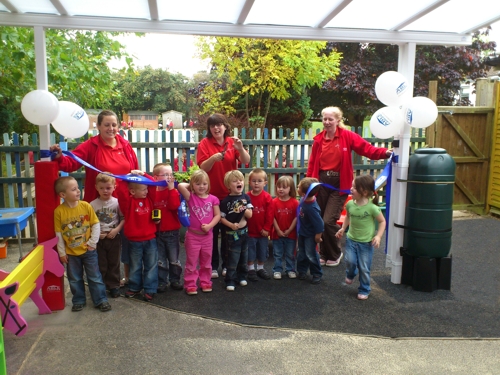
x=469, y=309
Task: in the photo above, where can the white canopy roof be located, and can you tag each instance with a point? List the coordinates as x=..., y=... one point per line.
x=440, y=22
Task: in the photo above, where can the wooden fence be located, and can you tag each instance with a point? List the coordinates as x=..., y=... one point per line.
x=19, y=152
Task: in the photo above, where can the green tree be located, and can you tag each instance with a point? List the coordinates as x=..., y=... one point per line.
x=151, y=89
x=77, y=63
x=354, y=88
x=260, y=71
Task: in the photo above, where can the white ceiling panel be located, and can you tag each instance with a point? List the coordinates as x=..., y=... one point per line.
x=224, y=11
x=445, y=22
x=108, y=8
x=290, y=12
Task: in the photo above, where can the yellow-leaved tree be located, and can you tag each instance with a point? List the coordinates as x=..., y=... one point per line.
x=261, y=70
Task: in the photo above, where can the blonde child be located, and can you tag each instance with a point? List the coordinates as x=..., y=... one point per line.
x=109, y=246
x=259, y=225
x=236, y=209
x=310, y=232
x=77, y=229
x=140, y=229
x=361, y=216
x=284, y=235
x=167, y=237
x=205, y=214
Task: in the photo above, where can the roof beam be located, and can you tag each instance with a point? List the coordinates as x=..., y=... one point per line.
x=225, y=29
x=418, y=15
x=484, y=24
x=153, y=10
x=9, y=6
x=60, y=8
x=245, y=11
x=339, y=8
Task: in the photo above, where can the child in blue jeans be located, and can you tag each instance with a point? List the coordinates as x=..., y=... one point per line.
x=137, y=207
x=235, y=210
x=310, y=230
x=361, y=216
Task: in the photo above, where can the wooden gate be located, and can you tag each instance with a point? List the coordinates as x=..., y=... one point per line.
x=466, y=133
x=494, y=180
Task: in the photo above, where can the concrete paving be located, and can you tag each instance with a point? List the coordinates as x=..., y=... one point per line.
x=139, y=338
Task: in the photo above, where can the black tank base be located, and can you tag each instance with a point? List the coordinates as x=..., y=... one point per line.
x=426, y=274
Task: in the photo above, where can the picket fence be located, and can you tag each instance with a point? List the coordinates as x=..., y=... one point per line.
x=19, y=152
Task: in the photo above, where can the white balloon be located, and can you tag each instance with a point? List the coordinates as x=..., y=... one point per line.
x=72, y=121
x=40, y=107
x=386, y=122
x=392, y=88
x=420, y=112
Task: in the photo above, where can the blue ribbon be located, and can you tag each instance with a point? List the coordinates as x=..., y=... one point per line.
x=386, y=175
x=125, y=177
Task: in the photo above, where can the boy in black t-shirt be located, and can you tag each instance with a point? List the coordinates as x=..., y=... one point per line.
x=235, y=209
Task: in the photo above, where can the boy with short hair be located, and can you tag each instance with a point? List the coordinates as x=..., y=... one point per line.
x=109, y=245
x=167, y=237
x=259, y=226
x=77, y=229
x=235, y=209
x=137, y=206
x=310, y=231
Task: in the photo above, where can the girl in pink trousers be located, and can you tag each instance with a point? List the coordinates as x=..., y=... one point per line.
x=204, y=215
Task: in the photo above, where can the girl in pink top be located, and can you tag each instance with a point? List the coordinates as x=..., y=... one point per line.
x=204, y=215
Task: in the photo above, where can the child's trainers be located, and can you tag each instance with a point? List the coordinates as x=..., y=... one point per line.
x=105, y=306
x=215, y=274
x=348, y=281
x=302, y=276
x=78, y=307
x=277, y=276
x=224, y=271
x=243, y=283
x=148, y=297
x=191, y=291
x=252, y=275
x=208, y=289
x=230, y=288
x=130, y=293
x=292, y=275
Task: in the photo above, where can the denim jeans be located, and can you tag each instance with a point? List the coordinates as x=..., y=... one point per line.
x=76, y=264
x=284, y=246
x=308, y=257
x=236, y=259
x=358, y=259
x=216, y=260
x=257, y=249
x=169, y=266
x=143, y=266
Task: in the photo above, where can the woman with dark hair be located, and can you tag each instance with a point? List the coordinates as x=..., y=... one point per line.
x=108, y=151
x=217, y=154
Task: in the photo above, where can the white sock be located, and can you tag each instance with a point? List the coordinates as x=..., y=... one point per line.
x=260, y=267
x=251, y=267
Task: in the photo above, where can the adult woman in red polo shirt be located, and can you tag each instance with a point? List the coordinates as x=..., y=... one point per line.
x=107, y=152
x=331, y=162
x=217, y=154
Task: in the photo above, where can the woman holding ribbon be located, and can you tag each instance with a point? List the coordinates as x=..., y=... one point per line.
x=108, y=152
x=217, y=154
x=331, y=163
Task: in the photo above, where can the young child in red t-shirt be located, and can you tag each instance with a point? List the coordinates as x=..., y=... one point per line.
x=284, y=235
x=259, y=225
x=137, y=207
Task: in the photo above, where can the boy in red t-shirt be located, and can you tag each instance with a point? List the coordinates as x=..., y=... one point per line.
x=137, y=207
x=167, y=237
x=259, y=225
